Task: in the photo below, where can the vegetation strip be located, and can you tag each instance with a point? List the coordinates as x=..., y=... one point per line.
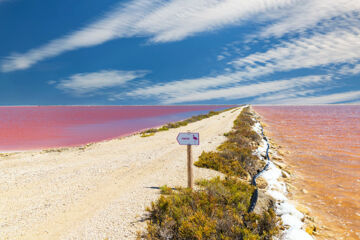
x=219, y=209
x=152, y=131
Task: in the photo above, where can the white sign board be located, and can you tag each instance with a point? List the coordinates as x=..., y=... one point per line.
x=188, y=139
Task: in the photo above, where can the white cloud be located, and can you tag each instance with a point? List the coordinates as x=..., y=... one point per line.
x=220, y=57
x=250, y=90
x=307, y=14
x=350, y=70
x=175, y=93
x=160, y=20
x=179, y=19
x=318, y=50
x=336, y=47
x=84, y=83
x=343, y=97
x=274, y=97
x=115, y=24
x=187, y=86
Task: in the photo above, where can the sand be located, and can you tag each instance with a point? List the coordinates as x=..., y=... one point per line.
x=98, y=191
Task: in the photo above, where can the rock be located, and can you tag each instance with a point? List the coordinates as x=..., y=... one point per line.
x=280, y=153
x=311, y=219
x=290, y=187
x=277, y=158
x=304, y=191
x=264, y=202
x=311, y=229
x=290, y=172
x=279, y=164
x=303, y=209
x=285, y=174
x=261, y=183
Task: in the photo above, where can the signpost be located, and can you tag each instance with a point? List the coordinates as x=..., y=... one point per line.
x=189, y=139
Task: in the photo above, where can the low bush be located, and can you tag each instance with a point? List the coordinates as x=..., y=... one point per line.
x=165, y=190
x=217, y=211
x=152, y=131
x=222, y=163
x=235, y=156
x=149, y=132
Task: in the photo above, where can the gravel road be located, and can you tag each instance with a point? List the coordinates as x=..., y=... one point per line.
x=99, y=191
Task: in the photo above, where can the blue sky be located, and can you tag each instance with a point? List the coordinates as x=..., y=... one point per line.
x=151, y=52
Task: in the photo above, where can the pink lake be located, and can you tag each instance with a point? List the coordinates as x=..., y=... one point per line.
x=323, y=145
x=24, y=128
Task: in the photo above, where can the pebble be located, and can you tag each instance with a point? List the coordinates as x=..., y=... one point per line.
x=285, y=174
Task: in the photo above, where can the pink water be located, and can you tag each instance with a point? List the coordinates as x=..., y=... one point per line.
x=323, y=144
x=23, y=128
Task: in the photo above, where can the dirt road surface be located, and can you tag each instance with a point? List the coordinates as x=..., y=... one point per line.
x=99, y=191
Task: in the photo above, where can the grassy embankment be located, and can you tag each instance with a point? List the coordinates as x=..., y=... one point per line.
x=152, y=131
x=219, y=209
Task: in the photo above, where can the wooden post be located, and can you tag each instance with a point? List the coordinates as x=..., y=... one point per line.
x=190, y=167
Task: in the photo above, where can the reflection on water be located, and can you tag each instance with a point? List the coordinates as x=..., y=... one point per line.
x=23, y=128
x=324, y=152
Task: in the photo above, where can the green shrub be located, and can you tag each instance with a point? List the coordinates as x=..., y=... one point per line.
x=224, y=164
x=147, y=134
x=163, y=128
x=235, y=156
x=165, y=190
x=152, y=131
x=217, y=211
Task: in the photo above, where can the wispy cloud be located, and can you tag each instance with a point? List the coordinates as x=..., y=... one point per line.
x=342, y=97
x=160, y=20
x=169, y=94
x=179, y=19
x=336, y=47
x=308, y=14
x=350, y=69
x=282, y=96
x=187, y=86
x=85, y=83
x=250, y=90
x=115, y=24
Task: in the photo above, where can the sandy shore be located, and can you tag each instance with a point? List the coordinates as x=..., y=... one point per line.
x=99, y=191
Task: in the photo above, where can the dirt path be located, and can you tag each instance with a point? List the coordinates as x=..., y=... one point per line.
x=101, y=191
